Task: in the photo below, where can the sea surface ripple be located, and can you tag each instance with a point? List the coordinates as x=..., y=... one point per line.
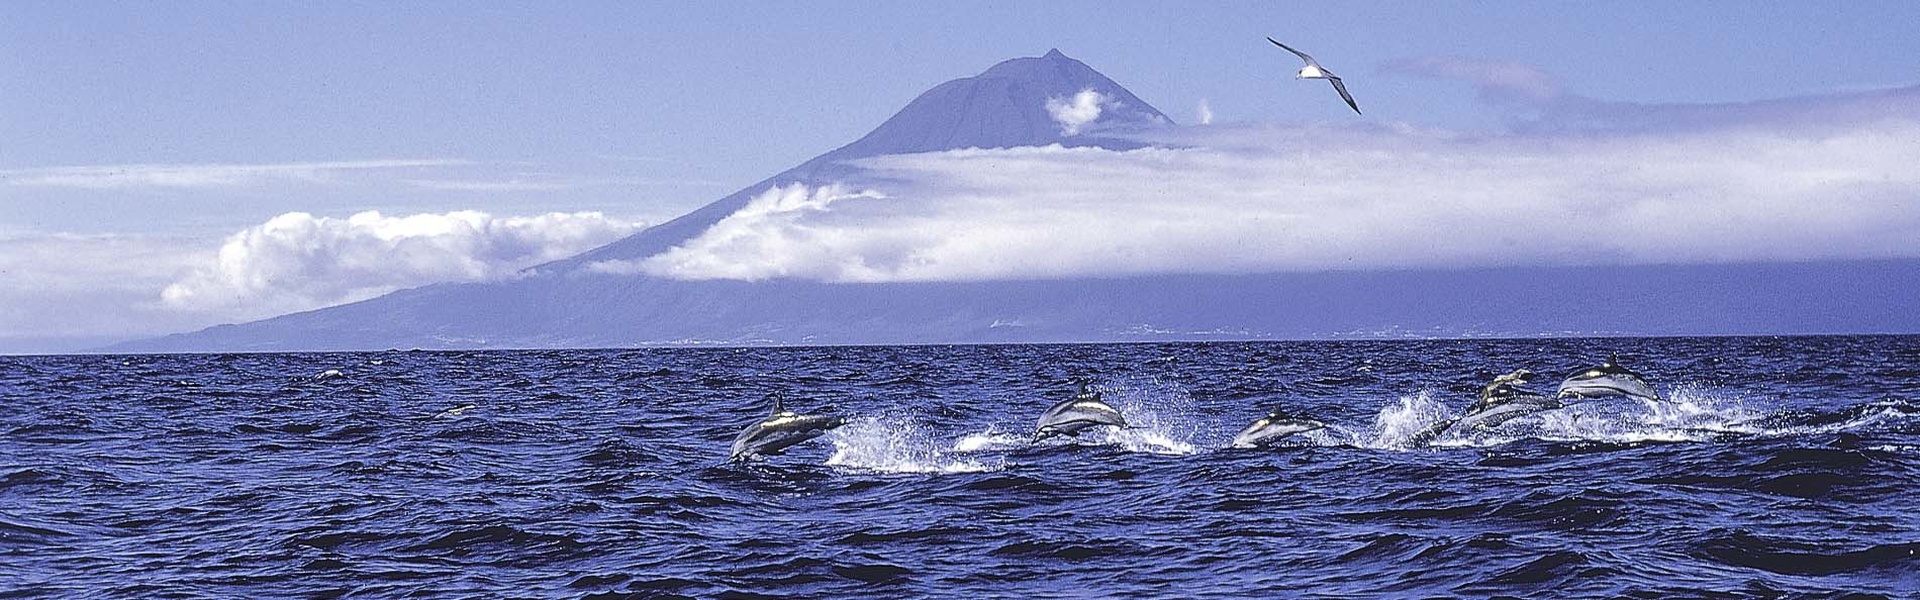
x=1776, y=467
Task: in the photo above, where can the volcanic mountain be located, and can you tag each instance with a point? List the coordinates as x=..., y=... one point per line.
x=569, y=303
x=1004, y=107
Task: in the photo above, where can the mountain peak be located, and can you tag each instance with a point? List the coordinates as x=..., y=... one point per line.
x=1019, y=102
x=1008, y=105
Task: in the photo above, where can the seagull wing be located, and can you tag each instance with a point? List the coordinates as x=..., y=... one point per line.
x=1342, y=88
x=1302, y=55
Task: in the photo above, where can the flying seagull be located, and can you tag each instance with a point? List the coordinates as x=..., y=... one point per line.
x=1313, y=70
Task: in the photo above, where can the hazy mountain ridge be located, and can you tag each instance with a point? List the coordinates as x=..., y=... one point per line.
x=614, y=311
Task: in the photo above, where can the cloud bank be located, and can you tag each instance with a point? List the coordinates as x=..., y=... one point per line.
x=793, y=231
x=1249, y=199
x=298, y=261
x=90, y=286
x=64, y=292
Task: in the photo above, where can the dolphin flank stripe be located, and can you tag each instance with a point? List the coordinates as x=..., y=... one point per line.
x=1085, y=410
x=780, y=430
x=1608, y=379
x=1272, y=428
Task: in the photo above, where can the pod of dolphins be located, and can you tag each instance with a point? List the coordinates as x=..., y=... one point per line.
x=1502, y=400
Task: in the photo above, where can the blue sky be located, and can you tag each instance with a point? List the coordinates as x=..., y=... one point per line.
x=138, y=139
x=704, y=98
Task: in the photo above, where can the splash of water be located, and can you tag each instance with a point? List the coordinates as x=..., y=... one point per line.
x=1398, y=421
x=1147, y=440
x=1161, y=415
x=991, y=439
x=1687, y=414
x=895, y=443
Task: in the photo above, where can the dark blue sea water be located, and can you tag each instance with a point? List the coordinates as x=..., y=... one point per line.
x=1776, y=467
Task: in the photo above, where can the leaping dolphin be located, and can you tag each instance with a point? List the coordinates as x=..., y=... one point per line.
x=1313, y=70
x=1083, y=411
x=780, y=430
x=1608, y=379
x=1500, y=401
x=1272, y=428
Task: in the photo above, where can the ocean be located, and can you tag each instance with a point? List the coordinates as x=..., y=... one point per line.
x=1771, y=467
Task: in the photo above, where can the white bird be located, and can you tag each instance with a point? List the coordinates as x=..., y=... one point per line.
x=1313, y=70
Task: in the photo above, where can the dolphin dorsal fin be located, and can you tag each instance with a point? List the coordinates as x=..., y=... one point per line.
x=1613, y=358
x=1087, y=392
x=777, y=408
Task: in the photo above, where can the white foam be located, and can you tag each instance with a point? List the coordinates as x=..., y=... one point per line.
x=1147, y=440
x=893, y=443
x=1161, y=415
x=1688, y=414
x=991, y=439
x=1400, y=420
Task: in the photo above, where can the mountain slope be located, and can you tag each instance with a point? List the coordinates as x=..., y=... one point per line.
x=1003, y=107
x=606, y=311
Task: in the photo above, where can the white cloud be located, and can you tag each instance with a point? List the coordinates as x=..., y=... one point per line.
x=1076, y=113
x=793, y=232
x=58, y=285
x=200, y=175
x=67, y=291
x=1266, y=199
x=298, y=261
x=1203, y=113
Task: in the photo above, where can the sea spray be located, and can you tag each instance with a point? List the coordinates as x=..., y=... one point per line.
x=1687, y=414
x=1161, y=414
x=1398, y=421
x=896, y=442
x=990, y=440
